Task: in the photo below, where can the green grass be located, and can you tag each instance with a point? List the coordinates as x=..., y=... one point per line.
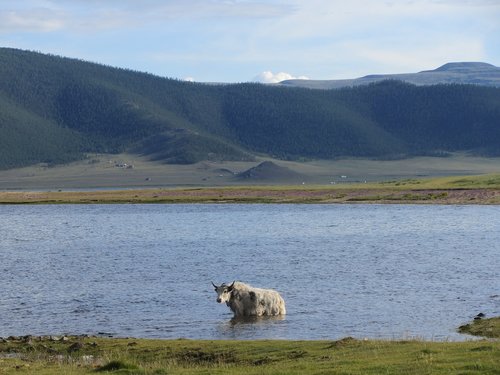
x=486, y=181
x=482, y=327
x=346, y=356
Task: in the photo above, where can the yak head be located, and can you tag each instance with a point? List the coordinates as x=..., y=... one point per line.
x=223, y=292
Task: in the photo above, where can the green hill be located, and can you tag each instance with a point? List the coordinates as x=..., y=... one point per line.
x=55, y=110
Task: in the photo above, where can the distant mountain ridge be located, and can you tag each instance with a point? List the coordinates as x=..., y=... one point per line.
x=477, y=73
x=465, y=67
x=56, y=110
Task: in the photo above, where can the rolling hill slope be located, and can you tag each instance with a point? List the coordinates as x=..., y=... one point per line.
x=55, y=110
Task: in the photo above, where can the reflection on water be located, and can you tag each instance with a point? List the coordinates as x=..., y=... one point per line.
x=256, y=320
x=343, y=270
x=253, y=327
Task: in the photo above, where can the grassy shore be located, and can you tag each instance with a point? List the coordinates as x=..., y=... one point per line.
x=482, y=327
x=84, y=355
x=484, y=189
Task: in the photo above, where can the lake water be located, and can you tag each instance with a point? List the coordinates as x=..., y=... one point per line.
x=377, y=271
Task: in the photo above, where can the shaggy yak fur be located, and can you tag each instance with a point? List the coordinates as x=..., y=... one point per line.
x=245, y=300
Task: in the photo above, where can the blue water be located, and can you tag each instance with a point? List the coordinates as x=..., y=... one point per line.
x=377, y=271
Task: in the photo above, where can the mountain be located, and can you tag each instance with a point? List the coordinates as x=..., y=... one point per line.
x=56, y=110
x=268, y=170
x=477, y=73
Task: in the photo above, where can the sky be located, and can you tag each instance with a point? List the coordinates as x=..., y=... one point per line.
x=258, y=40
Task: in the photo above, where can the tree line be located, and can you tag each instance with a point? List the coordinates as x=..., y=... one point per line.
x=55, y=109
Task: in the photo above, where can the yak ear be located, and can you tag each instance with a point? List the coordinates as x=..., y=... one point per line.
x=230, y=287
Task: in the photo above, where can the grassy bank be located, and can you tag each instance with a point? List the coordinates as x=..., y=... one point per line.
x=483, y=189
x=84, y=355
x=482, y=327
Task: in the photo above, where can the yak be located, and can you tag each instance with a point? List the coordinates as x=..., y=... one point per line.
x=247, y=301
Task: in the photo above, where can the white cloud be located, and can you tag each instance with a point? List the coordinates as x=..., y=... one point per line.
x=34, y=20
x=188, y=79
x=228, y=40
x=270, y=77
x=92, y=15
x=382, y=58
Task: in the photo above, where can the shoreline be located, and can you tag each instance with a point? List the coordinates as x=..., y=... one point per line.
x=480, y=328
x=261, y=194
x=89, y=354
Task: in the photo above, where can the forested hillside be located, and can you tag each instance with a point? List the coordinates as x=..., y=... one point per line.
x=55, y=110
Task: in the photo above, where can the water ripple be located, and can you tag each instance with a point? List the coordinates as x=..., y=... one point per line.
x=145, y=270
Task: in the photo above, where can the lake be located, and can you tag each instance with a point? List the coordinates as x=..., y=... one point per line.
x=376, y=271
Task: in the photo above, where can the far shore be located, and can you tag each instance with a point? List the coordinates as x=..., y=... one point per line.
x=390, y=193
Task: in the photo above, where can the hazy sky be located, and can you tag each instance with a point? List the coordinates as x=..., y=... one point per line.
x=245, y=40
